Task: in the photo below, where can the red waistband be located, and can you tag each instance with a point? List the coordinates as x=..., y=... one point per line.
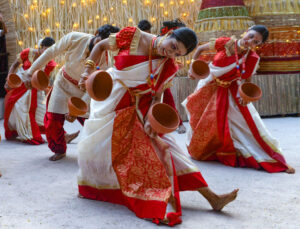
x=69, y=78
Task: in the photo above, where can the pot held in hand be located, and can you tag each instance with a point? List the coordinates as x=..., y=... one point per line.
x=250, y=92
x=163, y=118
x=14, y=81
x=77, y=107
x=199, y=69
x=39, y=80
x=99, y=85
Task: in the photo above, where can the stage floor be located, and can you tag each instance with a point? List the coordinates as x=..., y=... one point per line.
x=38, y=193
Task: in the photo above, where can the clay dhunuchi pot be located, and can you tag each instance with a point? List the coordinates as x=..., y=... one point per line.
x=77, y=107
x=250, y=92
x=199, y=69
x=163, y=118
x=14, y=81
x=99, y=85
x=39, y=80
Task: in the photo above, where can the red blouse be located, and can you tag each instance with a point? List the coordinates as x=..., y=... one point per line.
x=24, y=57
x=222, y=60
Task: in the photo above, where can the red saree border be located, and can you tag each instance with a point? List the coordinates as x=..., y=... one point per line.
x=141, y=208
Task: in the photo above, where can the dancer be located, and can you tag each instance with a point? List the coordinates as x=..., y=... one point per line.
x=76, y=48
x=24, y=108
x=168, y=97
x=119, y=162
x=223, y=126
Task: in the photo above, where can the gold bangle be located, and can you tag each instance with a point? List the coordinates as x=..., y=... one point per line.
x=90, y=63
x=88, y=66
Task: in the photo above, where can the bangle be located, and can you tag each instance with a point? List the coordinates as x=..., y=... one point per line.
x=90, y=64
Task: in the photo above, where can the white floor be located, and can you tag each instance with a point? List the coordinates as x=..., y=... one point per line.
x=37, y=193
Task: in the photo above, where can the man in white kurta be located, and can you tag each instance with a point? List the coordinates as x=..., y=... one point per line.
x=76, y=47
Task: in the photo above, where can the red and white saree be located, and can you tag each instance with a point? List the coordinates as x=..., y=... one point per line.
x=24, y=109
x=118, y=162
x=222, y=129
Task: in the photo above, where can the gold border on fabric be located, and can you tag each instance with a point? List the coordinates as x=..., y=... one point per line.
x=229, y=46
x=112, y=41
x=187, y=171
x=271, y=144
x=126, y=193
x=19, y=59
x=86, y=183
x=28, y=116
x=31, y=55
x=135, y=42
x=212, y=43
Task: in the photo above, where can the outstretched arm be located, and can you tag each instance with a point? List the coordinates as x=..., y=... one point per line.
x=50, y=53
x=14, y=67
x=91, y=61
x=200, y=49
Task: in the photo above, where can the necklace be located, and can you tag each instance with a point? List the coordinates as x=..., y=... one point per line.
x=151, y=72
x=239, y=73
x=150, y=66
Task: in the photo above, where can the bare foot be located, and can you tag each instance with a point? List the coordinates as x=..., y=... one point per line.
x=181, y=129
x=290, y=170
x=57, y=156
x=80, y=196
x=71, y=137
x=222, y=200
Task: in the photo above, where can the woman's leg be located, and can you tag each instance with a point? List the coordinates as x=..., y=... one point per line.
x=216, y=201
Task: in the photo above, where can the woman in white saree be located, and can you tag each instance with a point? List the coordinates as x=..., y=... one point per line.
x=223, y=126
x=118, y=159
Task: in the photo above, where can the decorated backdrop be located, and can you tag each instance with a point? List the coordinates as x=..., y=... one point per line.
x=35, y=19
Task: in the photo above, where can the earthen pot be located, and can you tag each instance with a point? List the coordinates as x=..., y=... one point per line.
x=77, y=107
x=199, y=69
x=99, y=85
x=250, y=92
x=14, y=81
x=163, y=118
x=39, y=80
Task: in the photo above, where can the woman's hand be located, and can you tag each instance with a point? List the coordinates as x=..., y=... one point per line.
x=7, y=87
x=179, y=64
x=190, y=74
x=81, y=83
x=27, y=81
x=243, y=102
x=70, y=118
x=148, y=129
